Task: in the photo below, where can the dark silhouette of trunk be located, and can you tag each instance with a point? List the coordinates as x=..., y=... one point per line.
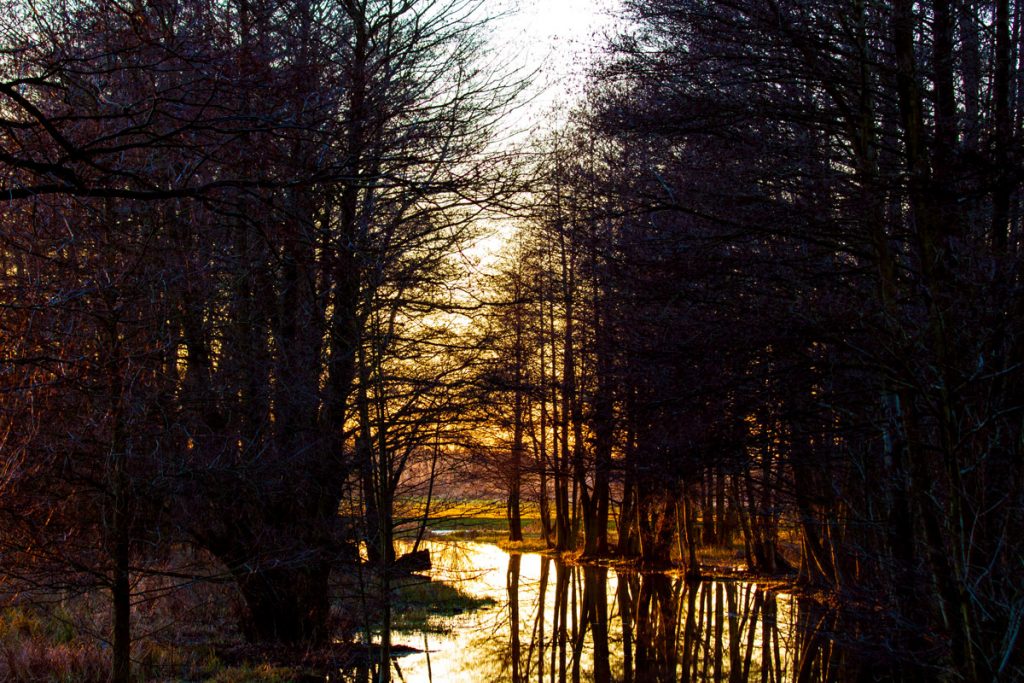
x=560, y=629
x=559, y=435
x=723, y=526
x=373, y=515
x=541, y=441
x=719, y=650
x=932, y=228
x=596, y=532
x=735, y=635
x=545, y=571
x=513, y=511
x=627, y=528
x=626, y=616
x=686, y=528
x=121, y=584
x=512, y=585
x=121, y=591
x=655, y=515
x=1003, y=185
x=119, y=532
x=602, y=421
x=691, y=631
x=287, y=605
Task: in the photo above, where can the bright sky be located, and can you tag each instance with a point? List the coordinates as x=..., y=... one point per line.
x=555, y=40
x=558, y=38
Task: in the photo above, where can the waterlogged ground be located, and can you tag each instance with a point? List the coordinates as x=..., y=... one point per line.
x=553, y=622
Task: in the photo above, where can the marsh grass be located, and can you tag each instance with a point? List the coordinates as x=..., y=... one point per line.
x=63, y=638
x=254, y=673
x=41, y=644
x=724, y=557
x=531, y=543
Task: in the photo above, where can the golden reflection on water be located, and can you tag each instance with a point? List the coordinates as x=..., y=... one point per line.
x=554, y=623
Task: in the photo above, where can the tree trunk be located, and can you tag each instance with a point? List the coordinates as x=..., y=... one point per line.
x=512, y=584
x=287, y=605
x=541, y=445
x=121, y=594
x=515, y=523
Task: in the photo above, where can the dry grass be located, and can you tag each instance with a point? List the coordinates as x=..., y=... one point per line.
x=57, y=638
x=254, y=673
x=732, y=558
x=32, y=659
x=43, y=645
x=39, y=647
x=530, y=544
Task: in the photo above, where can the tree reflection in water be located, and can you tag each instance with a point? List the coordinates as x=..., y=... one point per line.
x=662, y=628
x=556, y=623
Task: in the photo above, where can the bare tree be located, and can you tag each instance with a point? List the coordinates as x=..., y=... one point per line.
x=255, y=168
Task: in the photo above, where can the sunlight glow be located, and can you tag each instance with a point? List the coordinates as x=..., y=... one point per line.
x=556, y=41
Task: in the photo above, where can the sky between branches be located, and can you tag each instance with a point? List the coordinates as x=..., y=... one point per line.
x=555, y=40
x=550, y=42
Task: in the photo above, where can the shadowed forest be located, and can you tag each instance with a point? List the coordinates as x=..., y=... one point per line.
x=289, y=291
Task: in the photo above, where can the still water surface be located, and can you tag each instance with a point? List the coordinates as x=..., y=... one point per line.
x=552, y=622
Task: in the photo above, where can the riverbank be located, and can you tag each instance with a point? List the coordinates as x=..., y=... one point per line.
x=479, y=609
x=720, y=563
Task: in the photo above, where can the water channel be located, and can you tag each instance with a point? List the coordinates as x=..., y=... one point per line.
x=551, y=622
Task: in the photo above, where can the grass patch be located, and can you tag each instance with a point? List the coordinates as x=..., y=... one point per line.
x=721, y=557
x=481, y=509
x=53, y=625
x=530, y=544
x=485, y=528
x=254, y=673
x=469, y=524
